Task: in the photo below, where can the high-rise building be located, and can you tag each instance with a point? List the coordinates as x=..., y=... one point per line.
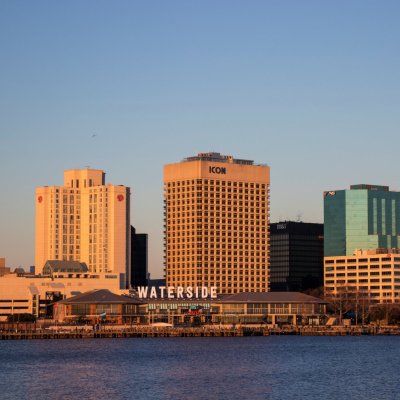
x=139, y=258
x=296, y=256
x=216, y=223
x=364, y=217
x=85, y=220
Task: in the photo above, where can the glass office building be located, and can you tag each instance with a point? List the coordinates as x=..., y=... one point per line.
x=296, y=256
x=364, y=217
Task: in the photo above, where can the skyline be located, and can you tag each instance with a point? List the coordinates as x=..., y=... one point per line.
x=310, y=89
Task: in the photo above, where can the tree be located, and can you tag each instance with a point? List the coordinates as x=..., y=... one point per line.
x=25, y=317
x=350, y=300
x=386, y=312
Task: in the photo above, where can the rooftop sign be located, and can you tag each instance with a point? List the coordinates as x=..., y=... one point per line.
x=217, y=170
x=178, y=292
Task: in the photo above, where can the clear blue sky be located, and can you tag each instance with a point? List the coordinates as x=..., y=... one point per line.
x=309, y=87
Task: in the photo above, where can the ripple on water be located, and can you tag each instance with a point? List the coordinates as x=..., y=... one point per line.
x=202, y=368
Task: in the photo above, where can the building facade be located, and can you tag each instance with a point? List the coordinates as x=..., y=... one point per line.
x=139, y=258
x=364, y=217
x=85, y=220
x=3, y=269
x=30, y=294
x=296, y=256
x=97, y=306
x=216, y=221
x=368, y=274
x=240, y=308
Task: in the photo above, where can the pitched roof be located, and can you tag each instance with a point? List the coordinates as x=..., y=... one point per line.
x=270, y=297
x=100, y=296
x=64, y=266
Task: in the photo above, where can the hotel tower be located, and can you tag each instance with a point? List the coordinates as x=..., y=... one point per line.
x=85, y=220
x=216, y=223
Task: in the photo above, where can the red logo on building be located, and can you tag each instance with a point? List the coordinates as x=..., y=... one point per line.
x=40, y=199
x=120, y=197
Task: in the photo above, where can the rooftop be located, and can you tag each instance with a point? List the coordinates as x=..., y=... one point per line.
x=218, y=157
x=246, y=297
x=100, y=296
x=270, y=297
x=364, y=186
x=361, y=252
x=52, y=266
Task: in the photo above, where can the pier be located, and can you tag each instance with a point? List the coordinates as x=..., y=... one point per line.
x=146, y=331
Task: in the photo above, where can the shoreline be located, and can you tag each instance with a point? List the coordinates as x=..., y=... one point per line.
x=146, y=331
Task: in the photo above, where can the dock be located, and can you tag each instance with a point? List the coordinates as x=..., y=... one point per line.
x=146, y=331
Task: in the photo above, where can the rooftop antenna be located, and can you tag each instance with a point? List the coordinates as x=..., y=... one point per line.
x=87, y=166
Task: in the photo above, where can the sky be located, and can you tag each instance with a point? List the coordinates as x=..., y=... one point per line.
x=311, y=88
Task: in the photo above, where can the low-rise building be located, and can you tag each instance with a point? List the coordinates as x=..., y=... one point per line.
x=242, y=308
x=368, y=273
x=35, y=294
x=98, y=305
x=291, y=308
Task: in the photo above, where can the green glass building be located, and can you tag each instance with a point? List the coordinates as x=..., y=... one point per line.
x=364, y=217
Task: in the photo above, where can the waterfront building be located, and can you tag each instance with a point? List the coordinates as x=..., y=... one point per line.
x=139, y=258
x=240, y=308
x=86, y=220
x=364, y=217
x=216, y=216
x=367, y=274
x=34, y=294
x=273, y=308
x=98, y=306
x=296, y=256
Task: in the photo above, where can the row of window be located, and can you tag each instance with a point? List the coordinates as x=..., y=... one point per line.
x=359, y=267
x=236, y=230
x=207, y=211
x=219, y=252
x=373, y=287
x=372, y=273
x=221, y=270
x=363, y=280
x=205, y=190
x=203, y=219
x=360, y=260
x=222, y=288
x=216, y=183
x=209, y=204
x=228, y=234
x=256, y=270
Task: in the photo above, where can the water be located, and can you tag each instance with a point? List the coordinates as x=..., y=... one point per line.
x=278, y=367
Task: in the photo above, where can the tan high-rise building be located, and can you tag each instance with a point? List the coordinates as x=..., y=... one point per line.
x=216, y=223
x=85, y=220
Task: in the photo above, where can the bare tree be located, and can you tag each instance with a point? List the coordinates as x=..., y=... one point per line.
x=347, y=298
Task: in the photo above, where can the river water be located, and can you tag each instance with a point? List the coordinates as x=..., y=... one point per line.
x=275, y=367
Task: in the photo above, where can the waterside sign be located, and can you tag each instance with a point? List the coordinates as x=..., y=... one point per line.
x=179, y=292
